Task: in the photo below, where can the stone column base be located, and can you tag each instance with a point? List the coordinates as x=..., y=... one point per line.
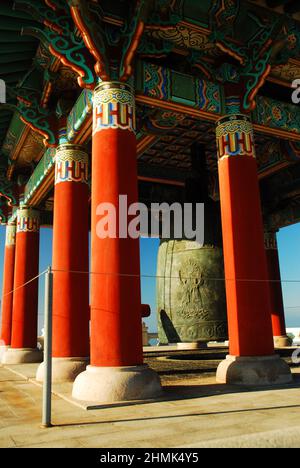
x=109, y=384
x=253, y=370
x=22, y=356
x=63, y=369
x=282, y=341
x=192, y=345
x=3, y=349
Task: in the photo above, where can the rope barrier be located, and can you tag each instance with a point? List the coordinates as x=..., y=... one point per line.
x=25, y=284
x=176, y=277
x=131, y=275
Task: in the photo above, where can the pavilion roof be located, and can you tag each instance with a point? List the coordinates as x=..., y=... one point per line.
x=190, y=36
x=16, y=56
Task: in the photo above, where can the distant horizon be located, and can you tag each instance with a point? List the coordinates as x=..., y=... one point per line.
x=289, y=256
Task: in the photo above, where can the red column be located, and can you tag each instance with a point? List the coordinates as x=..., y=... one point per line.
x=277, y=309
x=247, y=292
x=8, y=284
x=71, y=346
x=116, y=332
x=70, y=253
x=116, y=328
x=25, y=298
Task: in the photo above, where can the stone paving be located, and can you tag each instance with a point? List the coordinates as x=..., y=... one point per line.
x=195, y=412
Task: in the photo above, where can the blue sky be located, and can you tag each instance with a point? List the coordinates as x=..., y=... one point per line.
x=289, y=258
x=289, y=254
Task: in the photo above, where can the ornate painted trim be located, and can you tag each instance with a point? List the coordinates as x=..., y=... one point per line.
x=276, y=114
x=270, y=240
x=133, y=32
x=168, y=85
x=33, y=115
x=172, y=106
x=277, y=133
x=71, y=164
x=92, y=36
x=28, y=220
x=235, y=136
x=82, y=109
x=113, y=107
x=10, y=235
x=58, y=35
x=38, y=176
x=15, y=137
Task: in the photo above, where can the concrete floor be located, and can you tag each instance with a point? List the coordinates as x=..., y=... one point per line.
x=195, y=412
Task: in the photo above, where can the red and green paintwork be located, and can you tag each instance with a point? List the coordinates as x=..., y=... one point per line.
x=190, y=63
x=102, y=40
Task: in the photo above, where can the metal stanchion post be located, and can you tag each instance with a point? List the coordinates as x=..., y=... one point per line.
x=46, y=418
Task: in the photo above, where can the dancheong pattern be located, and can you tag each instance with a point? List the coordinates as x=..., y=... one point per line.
x=71, y=164
x=235, y=137
x=270, y=240
x=28, y=220
x=157, y=81
x=114, y=107
x=78, y=115
x=276, y=114
x=208, y=96
x=165, y=84
x=10, y=237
